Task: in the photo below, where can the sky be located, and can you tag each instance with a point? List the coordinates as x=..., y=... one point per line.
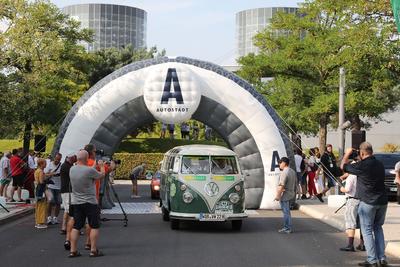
x=200, y=29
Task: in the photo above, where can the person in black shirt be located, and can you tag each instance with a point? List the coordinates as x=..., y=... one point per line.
x=329, y=167
x=66, y=199
x=373, y=201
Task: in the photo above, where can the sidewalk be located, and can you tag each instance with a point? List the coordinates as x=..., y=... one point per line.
x=16, y=211
x=322, y=212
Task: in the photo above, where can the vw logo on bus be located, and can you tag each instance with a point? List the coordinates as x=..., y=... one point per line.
x=211, y=189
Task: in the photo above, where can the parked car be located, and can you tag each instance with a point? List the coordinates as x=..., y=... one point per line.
x=155, y=185
x=389, y=160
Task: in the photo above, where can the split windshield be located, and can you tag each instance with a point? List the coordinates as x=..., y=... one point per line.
x=224, y=165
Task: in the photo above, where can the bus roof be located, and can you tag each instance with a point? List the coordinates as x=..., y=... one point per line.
x=201, y=150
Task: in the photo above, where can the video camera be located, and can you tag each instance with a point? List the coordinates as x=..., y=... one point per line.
x=354, y=154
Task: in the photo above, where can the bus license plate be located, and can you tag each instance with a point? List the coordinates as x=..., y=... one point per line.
x=393, y=189
x=211, y=217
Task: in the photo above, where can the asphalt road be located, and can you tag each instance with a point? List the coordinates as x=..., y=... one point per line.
x=148, y=241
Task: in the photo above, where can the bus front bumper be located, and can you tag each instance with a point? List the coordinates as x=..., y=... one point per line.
x=208, y=217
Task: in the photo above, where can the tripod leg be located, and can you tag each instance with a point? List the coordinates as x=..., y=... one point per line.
x=120, y=205
x=4, y=208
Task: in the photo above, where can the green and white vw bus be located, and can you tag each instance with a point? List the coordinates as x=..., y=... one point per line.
x=204, y=183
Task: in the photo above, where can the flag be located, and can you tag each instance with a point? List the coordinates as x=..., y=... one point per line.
x=396, y=12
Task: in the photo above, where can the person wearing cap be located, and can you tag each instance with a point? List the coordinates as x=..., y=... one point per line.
x=396, y=171
x=285, y=192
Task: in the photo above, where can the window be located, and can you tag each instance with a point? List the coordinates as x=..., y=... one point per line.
x=224, y=165
x=195, y=165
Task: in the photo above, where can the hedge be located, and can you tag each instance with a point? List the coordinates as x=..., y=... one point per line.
x=130, y=160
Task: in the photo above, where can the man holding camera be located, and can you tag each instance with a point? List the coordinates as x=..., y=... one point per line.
x=373, y=201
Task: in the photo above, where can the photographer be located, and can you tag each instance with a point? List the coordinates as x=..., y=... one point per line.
x=371, y=192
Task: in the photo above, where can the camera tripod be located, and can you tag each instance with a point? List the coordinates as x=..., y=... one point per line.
x=4, y=207
x=104, y=219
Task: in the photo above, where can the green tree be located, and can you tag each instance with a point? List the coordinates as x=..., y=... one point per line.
x=108, y=60
x=42, y=61
x=304, y=51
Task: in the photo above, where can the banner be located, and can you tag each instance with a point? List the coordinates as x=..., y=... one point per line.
x=396, y=12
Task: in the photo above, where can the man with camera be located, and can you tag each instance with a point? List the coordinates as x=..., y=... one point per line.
x=373, y=201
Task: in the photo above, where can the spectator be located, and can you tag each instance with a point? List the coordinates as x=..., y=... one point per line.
x=196, y=130
x=5, y=175
x=208, y=132
x=396, y=171
x=18, y=167
x=373, y=201
x=41, y=202
x=329, y=167
x=301, y=180
x=65, y=191
x=29, y=179
x=53, y=189
x=312, y=167
x=171, y=130
x=163, y=130
x=84, y=202
x=351, y=213
x=285, y=192
x=135, y=174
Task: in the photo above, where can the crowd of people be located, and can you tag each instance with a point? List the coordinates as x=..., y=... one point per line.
x=366, y=198
x=188, y=131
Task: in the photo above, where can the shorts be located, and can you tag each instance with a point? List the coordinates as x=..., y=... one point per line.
x=351, y=214
x=83, y=211
x=134, y=177
x=53, y=196
x=5, y=181
x=65, y=201
x=18, y=180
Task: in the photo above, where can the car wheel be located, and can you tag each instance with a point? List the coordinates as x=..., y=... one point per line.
x=165, y=214
x=174, y=224
x=237, y=225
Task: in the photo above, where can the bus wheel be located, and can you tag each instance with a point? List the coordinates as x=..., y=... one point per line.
x=237, y=225
x=165, y=214
x=174, y=224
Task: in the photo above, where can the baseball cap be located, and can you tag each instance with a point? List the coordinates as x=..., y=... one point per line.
x=396, y=168
x=284, y=159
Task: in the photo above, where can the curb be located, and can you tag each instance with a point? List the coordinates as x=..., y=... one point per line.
x=17, y=215
x=392, y=248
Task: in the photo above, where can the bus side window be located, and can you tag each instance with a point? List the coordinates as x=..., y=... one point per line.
x=176, y=165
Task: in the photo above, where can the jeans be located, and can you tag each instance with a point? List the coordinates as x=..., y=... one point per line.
x=372, y=218
x=287, y=219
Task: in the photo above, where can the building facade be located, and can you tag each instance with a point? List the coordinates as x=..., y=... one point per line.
x=113, y=25
x=250, y=22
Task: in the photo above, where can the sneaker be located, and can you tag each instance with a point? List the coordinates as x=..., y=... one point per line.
x=319, y=196
x=367, y=264
x=348, y=248
x=49, y=220
x=285, y=231
x=303, y=196
x=41, y=226
x=54, y=220
x=383, y=263
x=360, y=247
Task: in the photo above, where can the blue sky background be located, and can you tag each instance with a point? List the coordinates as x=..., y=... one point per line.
x=202, y=29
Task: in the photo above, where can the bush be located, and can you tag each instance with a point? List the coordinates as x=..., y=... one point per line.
x=388, y=147
x=130, y=160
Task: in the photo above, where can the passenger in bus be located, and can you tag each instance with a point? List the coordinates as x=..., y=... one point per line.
x=220, y=166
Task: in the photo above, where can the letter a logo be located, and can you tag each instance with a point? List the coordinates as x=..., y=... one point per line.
x=172, y=76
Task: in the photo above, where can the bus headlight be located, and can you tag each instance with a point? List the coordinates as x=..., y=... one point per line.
x=234, y=198
x=237, y=188
x=183, y=187
x=187, y=197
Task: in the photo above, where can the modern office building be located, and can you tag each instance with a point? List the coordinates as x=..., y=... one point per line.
x=113, y=25
x=250, y=22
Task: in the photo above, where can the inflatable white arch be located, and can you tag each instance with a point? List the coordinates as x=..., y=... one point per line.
x=173, y=90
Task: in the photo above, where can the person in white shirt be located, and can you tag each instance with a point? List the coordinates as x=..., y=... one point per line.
x=351, y=212
x=5, y=174
x=396, y=171
x=53, y=191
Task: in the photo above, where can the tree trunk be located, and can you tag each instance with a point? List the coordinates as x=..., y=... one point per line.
x=27, y=137
x=357, y=123
x=323, y=130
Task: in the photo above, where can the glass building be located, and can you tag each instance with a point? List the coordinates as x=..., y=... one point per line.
x=250, y=22
x=113, y=25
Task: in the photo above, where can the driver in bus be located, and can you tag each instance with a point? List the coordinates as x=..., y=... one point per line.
x=220, y=166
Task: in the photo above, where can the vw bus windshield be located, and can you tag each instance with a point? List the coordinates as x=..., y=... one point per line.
x=195, y=165
x=224, y=165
